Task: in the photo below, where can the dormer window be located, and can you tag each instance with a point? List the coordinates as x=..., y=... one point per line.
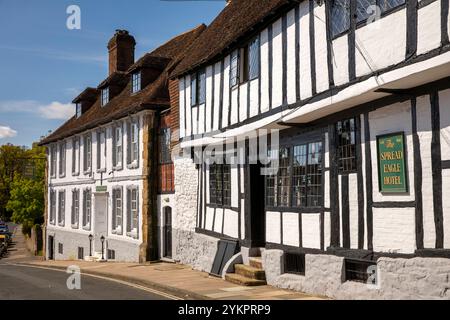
x=136, y=82
x=78, y=109
x=105, y=96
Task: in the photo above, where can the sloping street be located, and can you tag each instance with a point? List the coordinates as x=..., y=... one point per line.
x=20, y=282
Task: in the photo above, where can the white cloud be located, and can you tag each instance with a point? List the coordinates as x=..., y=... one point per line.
x=57, y=110
x=54, y=110
x=7, y=132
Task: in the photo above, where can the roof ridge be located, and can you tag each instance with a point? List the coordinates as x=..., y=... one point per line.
x=178, y=36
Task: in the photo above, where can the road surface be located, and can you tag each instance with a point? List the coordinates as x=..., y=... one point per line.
x=20, y=282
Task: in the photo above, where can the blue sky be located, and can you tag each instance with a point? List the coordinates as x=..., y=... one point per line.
x=44, y=65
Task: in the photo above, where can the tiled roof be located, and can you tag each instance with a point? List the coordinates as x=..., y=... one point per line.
x=153, y=96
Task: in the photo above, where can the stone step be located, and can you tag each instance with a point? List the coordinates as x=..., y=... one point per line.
x=243, y=281
x=249, y=272
x=256, y=262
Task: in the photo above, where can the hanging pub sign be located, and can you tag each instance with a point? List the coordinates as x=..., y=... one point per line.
x=392, y=163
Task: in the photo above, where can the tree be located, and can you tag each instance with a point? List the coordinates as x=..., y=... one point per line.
x=26, y=193
x=10, y=163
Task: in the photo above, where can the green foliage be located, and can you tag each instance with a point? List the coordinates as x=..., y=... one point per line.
x=24, y=184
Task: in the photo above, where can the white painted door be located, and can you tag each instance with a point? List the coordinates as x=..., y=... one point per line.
x=100, y=220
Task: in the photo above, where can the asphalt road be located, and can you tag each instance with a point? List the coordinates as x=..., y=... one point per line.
x=28, y=283
x=20, y=282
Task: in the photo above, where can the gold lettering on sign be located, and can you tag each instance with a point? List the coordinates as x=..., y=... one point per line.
x=393, y=180
x=394, y=155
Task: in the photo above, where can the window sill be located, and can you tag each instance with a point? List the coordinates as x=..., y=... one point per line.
x=87, y=228
x=133, y=235
x=133, y=165
x=88, y=172
x=118, y=168
x=101, y=170
x=117, y=232
x=75, y=226
x=61, y=224
x=75, y=174
x=62, y=176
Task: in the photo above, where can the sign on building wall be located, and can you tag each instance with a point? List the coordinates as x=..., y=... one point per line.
x=392, y=163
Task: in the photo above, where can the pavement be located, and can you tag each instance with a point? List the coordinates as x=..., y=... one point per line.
x=175, y=280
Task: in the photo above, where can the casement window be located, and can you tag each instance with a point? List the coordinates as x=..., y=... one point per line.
x=133, y=212
x=198, y=88
x=105, y=96
x=75, y=216
x=87, y=209
x=346, y=135
x=52, y=213
x=136, y=82
x=298, y=182
x=220, y=184
x=365, y=9
x=62, y=159
x=234, y=68
x=117, y=213
x=166, y=170
x=60, y=248
x=117, y=146
x=283, y=179
x=340, y=17
x=101, y=150
x=53, y=155
x=244, y=64
x=133, y=143
x=341, y=12
x=249, y=64
x=386, y=5
x=61, y=208
x=253, y=58
x=87, y=153
x=76, y=156
x=78, y=110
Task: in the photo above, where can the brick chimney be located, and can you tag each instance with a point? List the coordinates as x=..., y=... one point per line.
x=121, y=51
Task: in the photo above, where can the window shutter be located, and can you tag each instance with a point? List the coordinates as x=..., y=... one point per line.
x=128, y=142
x=84, y=207
x=114, y=147
x=114, y=209
x=72, y=215
x=128, y=209
x=137, y=212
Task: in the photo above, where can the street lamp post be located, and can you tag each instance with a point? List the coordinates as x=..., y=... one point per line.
x=90, y=245
x=102, y=239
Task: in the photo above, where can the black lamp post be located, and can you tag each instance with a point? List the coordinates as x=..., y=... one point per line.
x=90, y=245
x=102, y=239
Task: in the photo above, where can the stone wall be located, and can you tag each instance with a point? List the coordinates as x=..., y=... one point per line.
x=190, y=248
x=194, y=249
x=417, y=278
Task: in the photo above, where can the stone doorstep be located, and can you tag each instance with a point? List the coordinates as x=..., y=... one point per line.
x=243, y=281
x=249, y=272
x=256, y=262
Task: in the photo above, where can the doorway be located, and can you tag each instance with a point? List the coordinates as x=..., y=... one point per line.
x=167, y=232
x=51, y=248
x=257, y=210
x=100, y=220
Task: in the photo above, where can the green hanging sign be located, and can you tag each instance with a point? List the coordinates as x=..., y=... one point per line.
x=392, y=163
